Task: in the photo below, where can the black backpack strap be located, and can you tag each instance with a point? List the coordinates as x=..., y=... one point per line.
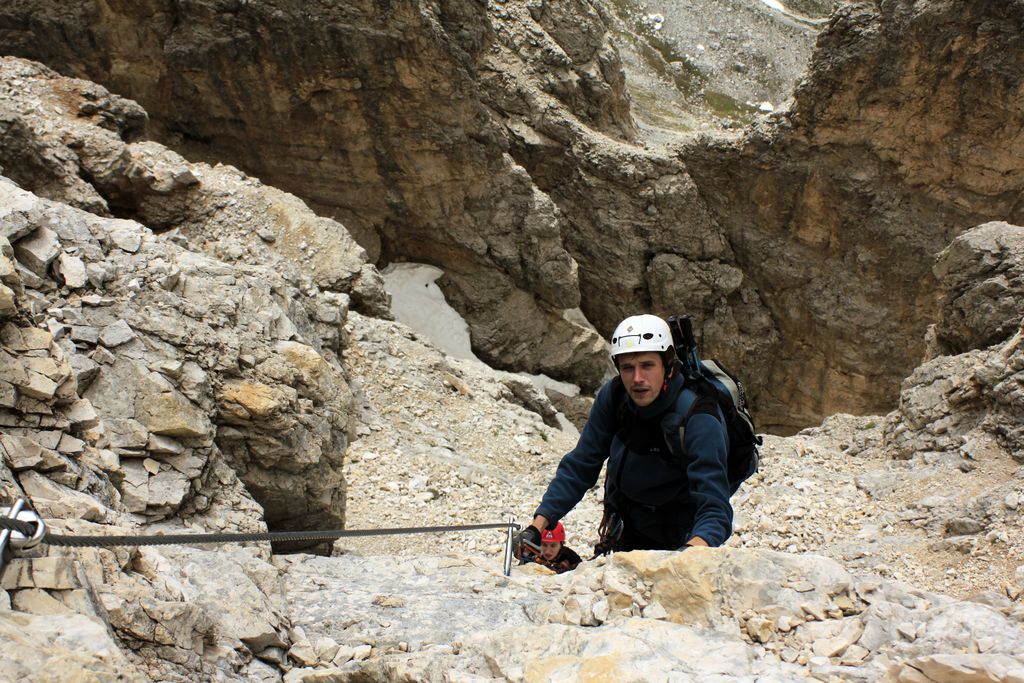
x=705, y=401
x=622, y=416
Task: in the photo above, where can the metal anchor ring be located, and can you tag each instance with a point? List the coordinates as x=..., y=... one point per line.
x=16, y=539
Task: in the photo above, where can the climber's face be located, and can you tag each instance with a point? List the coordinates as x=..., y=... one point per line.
x=643, y=375
x=549, y=549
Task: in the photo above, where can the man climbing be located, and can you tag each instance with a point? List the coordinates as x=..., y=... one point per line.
x=667, y=485
x=553, y=551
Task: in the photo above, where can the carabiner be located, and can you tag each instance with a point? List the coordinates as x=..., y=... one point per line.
x=18, y=540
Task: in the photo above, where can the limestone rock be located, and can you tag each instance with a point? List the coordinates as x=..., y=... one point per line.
x=82, y=414
x=171, y=414
x=792, y=192
x=139, y=405
x=8, y=301
x=706, y=595
x=231, y=370
x=982, y=276
x=37, y=250
x=488, y=226
x=21, y=453
x=55, y=501
x=54, y=573
x=238, y=591
x=959, y=667
x=67, y=646
x=116, y=334
x=72, y=270
x=980, y=387
x=38, y=601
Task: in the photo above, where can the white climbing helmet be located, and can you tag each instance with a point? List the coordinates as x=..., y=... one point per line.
x=641, y=333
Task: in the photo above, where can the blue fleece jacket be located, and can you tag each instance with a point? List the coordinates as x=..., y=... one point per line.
x=698, y=486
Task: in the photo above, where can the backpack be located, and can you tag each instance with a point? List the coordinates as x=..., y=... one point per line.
x=711, y=379
x=716, y=381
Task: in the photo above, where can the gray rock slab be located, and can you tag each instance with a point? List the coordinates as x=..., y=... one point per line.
x=56, y=501
x=235, y=588
x=85, y=333
x=115, y=334
x=19, y=213
x=64, y=647
x=8, y=301
x=38, y=250
x=72, y=270
x=356, y=600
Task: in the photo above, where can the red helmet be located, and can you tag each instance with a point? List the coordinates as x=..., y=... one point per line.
x=556, y=535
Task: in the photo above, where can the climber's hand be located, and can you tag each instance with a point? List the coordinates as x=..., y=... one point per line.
x=527, y=541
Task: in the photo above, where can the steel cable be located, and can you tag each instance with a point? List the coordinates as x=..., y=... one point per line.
x=29, y=528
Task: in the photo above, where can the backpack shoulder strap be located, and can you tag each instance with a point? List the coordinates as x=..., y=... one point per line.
x=697, y=396
x=618, y=391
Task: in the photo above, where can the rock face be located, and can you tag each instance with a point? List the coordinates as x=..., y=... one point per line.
x=509, y=94
x=732, y=615
x=961, y=403
x=982, y=278
x=194, y=376
x=787, y=245
x=394, y=95
x=970, y=406
x=177, y=351
x=836, y=208
x=156, y=355
x=725, y=58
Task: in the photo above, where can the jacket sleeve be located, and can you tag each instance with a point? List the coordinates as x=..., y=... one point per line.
x=707, y=445
x=579, y=469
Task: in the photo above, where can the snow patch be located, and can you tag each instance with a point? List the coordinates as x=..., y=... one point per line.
x=417, y=301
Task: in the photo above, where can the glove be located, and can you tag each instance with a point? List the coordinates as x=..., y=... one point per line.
x=527, y=540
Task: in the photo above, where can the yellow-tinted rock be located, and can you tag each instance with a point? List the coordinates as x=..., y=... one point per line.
x=37, y=386
x=600, y=669
x=337, y=258
x=171, y=414
x=305, y=359
x=681, y=581
x=534, y=568
x=325, y=379
x=250, y=399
